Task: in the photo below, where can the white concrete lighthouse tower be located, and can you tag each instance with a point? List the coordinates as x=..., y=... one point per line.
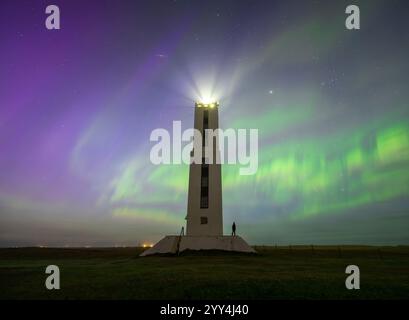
x=204, y=219
x=204, y=205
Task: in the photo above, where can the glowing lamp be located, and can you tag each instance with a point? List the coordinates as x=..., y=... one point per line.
x=207, y=105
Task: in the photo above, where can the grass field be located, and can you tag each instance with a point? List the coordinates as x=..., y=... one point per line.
x=274, y=273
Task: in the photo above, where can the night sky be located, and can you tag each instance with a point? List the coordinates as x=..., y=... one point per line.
x=77, y=107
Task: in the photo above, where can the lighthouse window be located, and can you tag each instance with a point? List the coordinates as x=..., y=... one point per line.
x=205, y=126
x=204, y=198
x=206, y=119
x=204, y=187
x=203, y=220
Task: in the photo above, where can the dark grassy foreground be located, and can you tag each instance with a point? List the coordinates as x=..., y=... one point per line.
x=275, y=273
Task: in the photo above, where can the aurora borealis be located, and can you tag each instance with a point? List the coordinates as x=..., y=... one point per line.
x=77, y=106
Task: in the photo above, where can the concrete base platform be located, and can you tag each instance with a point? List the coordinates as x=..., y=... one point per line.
x=175, y=244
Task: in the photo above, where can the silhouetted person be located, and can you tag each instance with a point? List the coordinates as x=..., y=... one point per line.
x=233, y=229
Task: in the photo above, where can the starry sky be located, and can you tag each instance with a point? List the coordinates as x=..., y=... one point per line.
x=77, y=106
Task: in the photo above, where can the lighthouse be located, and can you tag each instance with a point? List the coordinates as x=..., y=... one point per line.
x=204, y=218
x=204, y=206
